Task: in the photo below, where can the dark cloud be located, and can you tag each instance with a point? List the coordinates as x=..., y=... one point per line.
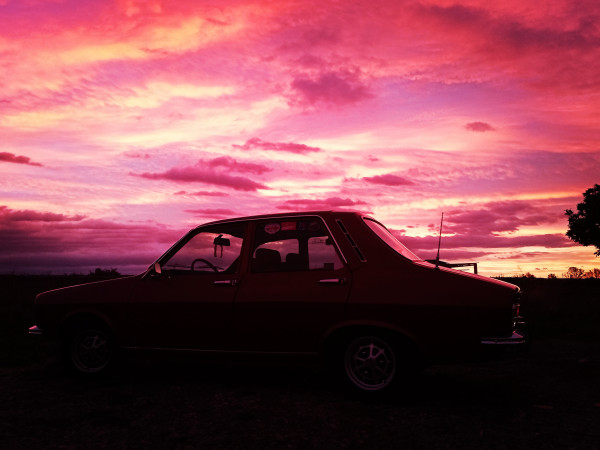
x=12, y=158
x=480, y=127
x=256, y=143
x=7, y=216
x=46, y=242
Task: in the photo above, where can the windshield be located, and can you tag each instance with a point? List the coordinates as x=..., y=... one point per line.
x=390, y=240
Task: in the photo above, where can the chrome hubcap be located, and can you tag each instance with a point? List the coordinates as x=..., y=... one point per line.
x=370, y=363
x=91, y=351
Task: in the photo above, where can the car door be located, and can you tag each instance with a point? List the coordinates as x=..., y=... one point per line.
x=188, y=305
x=295, y=290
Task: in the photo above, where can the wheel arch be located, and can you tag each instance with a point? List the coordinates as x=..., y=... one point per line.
x=76, y=319
x=342, y=334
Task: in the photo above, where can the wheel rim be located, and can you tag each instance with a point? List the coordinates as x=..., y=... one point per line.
x=91, y=351
x=370, y=363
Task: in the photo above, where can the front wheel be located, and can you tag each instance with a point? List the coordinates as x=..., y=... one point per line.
x=89, y=350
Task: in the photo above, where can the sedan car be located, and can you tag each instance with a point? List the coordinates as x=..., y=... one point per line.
x=333, y=287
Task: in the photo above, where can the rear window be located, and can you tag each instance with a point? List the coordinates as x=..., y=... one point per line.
x=389, y=239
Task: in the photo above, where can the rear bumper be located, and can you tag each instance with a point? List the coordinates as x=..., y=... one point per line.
x=35, y=330
x=516, y=345
x=515, y=340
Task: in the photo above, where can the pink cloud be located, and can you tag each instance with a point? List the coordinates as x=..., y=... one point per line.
x=203, y=193
x=388, y=180
x=204, y=172
x=12, y=158
x=480, y=127
x=333, y=88
x=502, y=216
x=256, y=143
x=232, y=164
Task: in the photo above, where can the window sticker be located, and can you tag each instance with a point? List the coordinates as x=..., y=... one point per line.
x=272, y=228
x=288, y=226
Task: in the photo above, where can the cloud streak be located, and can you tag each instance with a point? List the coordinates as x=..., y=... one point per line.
x=259, y=144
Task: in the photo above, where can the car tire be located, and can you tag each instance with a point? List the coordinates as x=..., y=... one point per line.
x=375, y=364
x=89, y=350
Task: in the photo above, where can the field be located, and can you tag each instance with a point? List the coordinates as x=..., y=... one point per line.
x=549, y=399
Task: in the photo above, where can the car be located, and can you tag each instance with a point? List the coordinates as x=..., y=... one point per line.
x=332, y=287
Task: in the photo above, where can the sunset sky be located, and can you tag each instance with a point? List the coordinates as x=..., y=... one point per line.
x=125, y=123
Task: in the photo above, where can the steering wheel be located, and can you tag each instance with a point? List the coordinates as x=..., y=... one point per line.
x=208, y=264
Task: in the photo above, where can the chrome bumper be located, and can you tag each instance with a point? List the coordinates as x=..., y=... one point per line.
x=35, y=330
x=515, y=339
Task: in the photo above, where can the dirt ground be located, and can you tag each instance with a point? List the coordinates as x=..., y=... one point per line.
x=547, y=400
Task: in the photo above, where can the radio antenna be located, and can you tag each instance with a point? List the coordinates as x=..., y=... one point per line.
x=437, y=258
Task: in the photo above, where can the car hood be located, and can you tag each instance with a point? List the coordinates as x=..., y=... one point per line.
x=108, y=291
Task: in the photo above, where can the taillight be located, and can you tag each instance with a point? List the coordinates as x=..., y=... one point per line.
x=516, y=310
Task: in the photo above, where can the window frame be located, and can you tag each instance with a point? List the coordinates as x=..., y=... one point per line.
x=280, y=219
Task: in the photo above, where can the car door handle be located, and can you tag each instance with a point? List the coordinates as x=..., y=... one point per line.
x=226, y=282
x=333, y=281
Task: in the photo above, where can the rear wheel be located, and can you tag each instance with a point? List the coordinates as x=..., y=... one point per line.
x=371, y=363
x=89, y=350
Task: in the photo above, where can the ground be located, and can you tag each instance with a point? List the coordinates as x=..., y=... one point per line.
x=549, y=399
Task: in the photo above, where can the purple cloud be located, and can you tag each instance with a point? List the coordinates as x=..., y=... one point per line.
x=207, y=172
x=337, y=89
x=231, y=163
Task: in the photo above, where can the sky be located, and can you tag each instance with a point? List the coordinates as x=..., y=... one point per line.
x=125, y=123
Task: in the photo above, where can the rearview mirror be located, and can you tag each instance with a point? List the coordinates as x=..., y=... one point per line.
x=223, y=242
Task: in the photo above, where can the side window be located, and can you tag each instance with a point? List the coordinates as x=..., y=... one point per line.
x=292, y=246
x=213, y=250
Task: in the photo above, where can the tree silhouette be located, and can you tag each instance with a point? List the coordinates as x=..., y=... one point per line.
x=584, y=225
x=574, y=272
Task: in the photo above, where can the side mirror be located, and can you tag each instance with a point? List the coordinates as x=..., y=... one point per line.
x=157, y=269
